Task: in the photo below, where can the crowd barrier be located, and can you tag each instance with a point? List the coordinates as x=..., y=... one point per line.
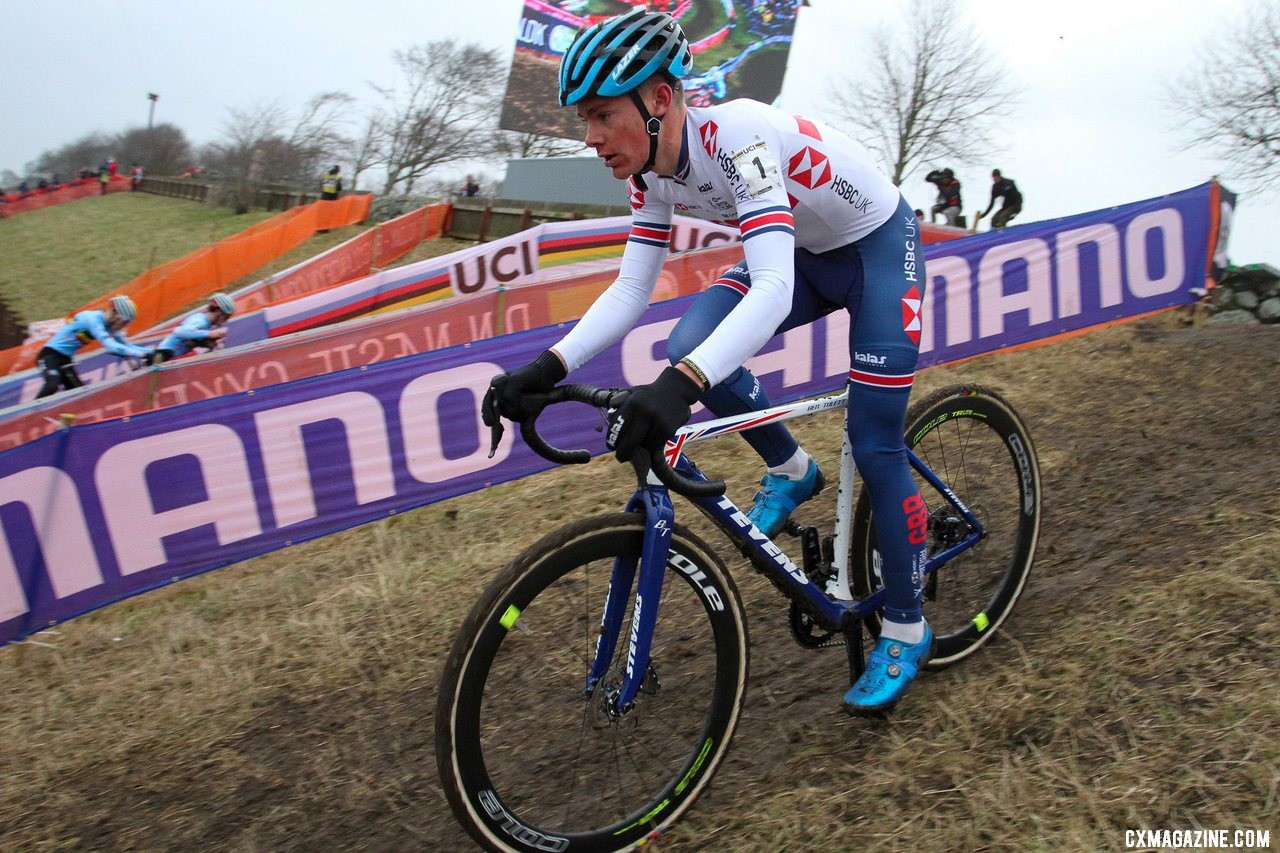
x=164, y=291
x=97, y=513
x=15, y=203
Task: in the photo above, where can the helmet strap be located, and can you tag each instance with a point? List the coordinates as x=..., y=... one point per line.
x=653, y=127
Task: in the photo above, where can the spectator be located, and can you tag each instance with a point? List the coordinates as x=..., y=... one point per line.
x=104, y=178
x=203, y=328
x=106, y=327
x=948, y=202
x=112, y=166
x=331, y=186
x=1011, y=199
x=470, y=189
x=135, y=177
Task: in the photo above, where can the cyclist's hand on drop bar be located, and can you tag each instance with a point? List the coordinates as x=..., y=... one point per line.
x=505, y=397
x=651, y=414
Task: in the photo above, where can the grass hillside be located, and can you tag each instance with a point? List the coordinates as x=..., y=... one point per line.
x=59, y=258
x=286, y=703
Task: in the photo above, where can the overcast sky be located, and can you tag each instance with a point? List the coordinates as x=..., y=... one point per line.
x=1093, y=129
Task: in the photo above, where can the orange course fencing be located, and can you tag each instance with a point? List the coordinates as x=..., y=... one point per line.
x=166, y=290
x=15, y=203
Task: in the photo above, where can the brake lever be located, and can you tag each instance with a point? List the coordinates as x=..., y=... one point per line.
x=495, y=433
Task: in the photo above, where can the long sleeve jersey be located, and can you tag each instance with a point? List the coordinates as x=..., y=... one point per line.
x=92, y=326
x=783, y=180
x=184, y=338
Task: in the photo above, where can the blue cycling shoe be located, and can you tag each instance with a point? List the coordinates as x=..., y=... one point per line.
x=891, y=668
x=779, y=496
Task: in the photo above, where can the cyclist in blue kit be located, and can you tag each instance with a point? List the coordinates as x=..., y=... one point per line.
x=106, y=327
x=203, y=328
x=822, y=229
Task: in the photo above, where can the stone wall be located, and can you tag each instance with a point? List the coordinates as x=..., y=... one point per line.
x=1249, y=294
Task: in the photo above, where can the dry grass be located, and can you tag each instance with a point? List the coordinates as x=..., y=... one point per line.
x=286, y=702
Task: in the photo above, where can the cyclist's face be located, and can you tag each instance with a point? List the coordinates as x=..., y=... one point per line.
x=114, y=323
x=616, y=132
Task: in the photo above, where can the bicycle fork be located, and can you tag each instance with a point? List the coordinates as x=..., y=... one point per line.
x=654, y=500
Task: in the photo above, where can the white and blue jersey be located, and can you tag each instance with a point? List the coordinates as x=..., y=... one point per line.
x=822, y=229
x=785, y=181
x=89, y=326
x=183, y=339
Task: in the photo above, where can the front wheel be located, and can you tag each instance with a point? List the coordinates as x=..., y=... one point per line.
x=530, y=756
x=976, y=443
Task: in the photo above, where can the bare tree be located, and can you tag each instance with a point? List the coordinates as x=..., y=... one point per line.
x=162, y=149
x=65, y=162
x=933, y=92
x=445, y=111
x=1230, y=103
x=264, y=145
x=510, y=145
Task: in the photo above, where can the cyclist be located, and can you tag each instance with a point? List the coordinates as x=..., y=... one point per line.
x=203, y=328
x=822, y=229
x=106, y=327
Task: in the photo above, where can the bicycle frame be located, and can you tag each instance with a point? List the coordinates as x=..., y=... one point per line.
x=834, y=607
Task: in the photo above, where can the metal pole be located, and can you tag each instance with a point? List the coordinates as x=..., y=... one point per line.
x=151, y=114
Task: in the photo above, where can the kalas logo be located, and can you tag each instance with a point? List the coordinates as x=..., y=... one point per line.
x=810, y=168
x=707, y=133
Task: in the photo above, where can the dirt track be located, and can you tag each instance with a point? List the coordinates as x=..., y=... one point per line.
x=1154, y=440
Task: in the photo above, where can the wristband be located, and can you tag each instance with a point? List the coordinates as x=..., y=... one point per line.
x=702, y=377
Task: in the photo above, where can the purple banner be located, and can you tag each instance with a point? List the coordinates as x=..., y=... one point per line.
x=93, y=514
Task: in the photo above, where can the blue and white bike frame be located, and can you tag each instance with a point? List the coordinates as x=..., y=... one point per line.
x=835, y=605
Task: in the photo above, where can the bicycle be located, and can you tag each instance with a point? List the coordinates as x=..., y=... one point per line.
x=551, y=737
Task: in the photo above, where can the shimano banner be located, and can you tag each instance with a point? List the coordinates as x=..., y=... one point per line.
x=96, y=513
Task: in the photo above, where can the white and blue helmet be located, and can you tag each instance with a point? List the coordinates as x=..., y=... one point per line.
x=616, y=55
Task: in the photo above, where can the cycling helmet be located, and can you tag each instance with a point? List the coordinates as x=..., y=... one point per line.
x=124, y=308
x=223, y=303
x=616, y=55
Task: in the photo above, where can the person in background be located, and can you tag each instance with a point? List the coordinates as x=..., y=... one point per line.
x=948, y=202
x=106, y=327
x=104, y=178
x=470, y=189
x=808, y=252
x=1011, y=199
x=331, y=186
x=135, y=177
x=203, y=328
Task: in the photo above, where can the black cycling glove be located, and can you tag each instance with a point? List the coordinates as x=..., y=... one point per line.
x=506, y=389
x=652, y=413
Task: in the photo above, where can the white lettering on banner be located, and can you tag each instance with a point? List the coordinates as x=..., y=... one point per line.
x=1105, y=238
x=62, y=536
x=1168, y=222
x=284, y=453
x=639, y=366
x=952, y=275
x=958, y=280
x=1036, y=300
x=493, y=263
x=533, y=32
x=137, y=531
x=794, y=359
x=423, y=427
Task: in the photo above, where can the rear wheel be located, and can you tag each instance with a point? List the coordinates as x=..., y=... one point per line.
x=976, y=443
x=530, y=759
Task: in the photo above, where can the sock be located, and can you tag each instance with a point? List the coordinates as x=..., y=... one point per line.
x=909, y=633
x=794, y=468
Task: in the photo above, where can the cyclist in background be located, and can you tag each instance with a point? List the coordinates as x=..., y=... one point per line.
x=203, y=328
x=822, y=229
x=106, y=327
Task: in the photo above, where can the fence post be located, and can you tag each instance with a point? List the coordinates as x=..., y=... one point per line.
x=485, y=215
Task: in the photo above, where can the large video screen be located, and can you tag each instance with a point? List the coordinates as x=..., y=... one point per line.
x=740, y=50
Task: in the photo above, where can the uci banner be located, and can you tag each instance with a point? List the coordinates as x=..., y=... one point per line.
x=93, y=514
